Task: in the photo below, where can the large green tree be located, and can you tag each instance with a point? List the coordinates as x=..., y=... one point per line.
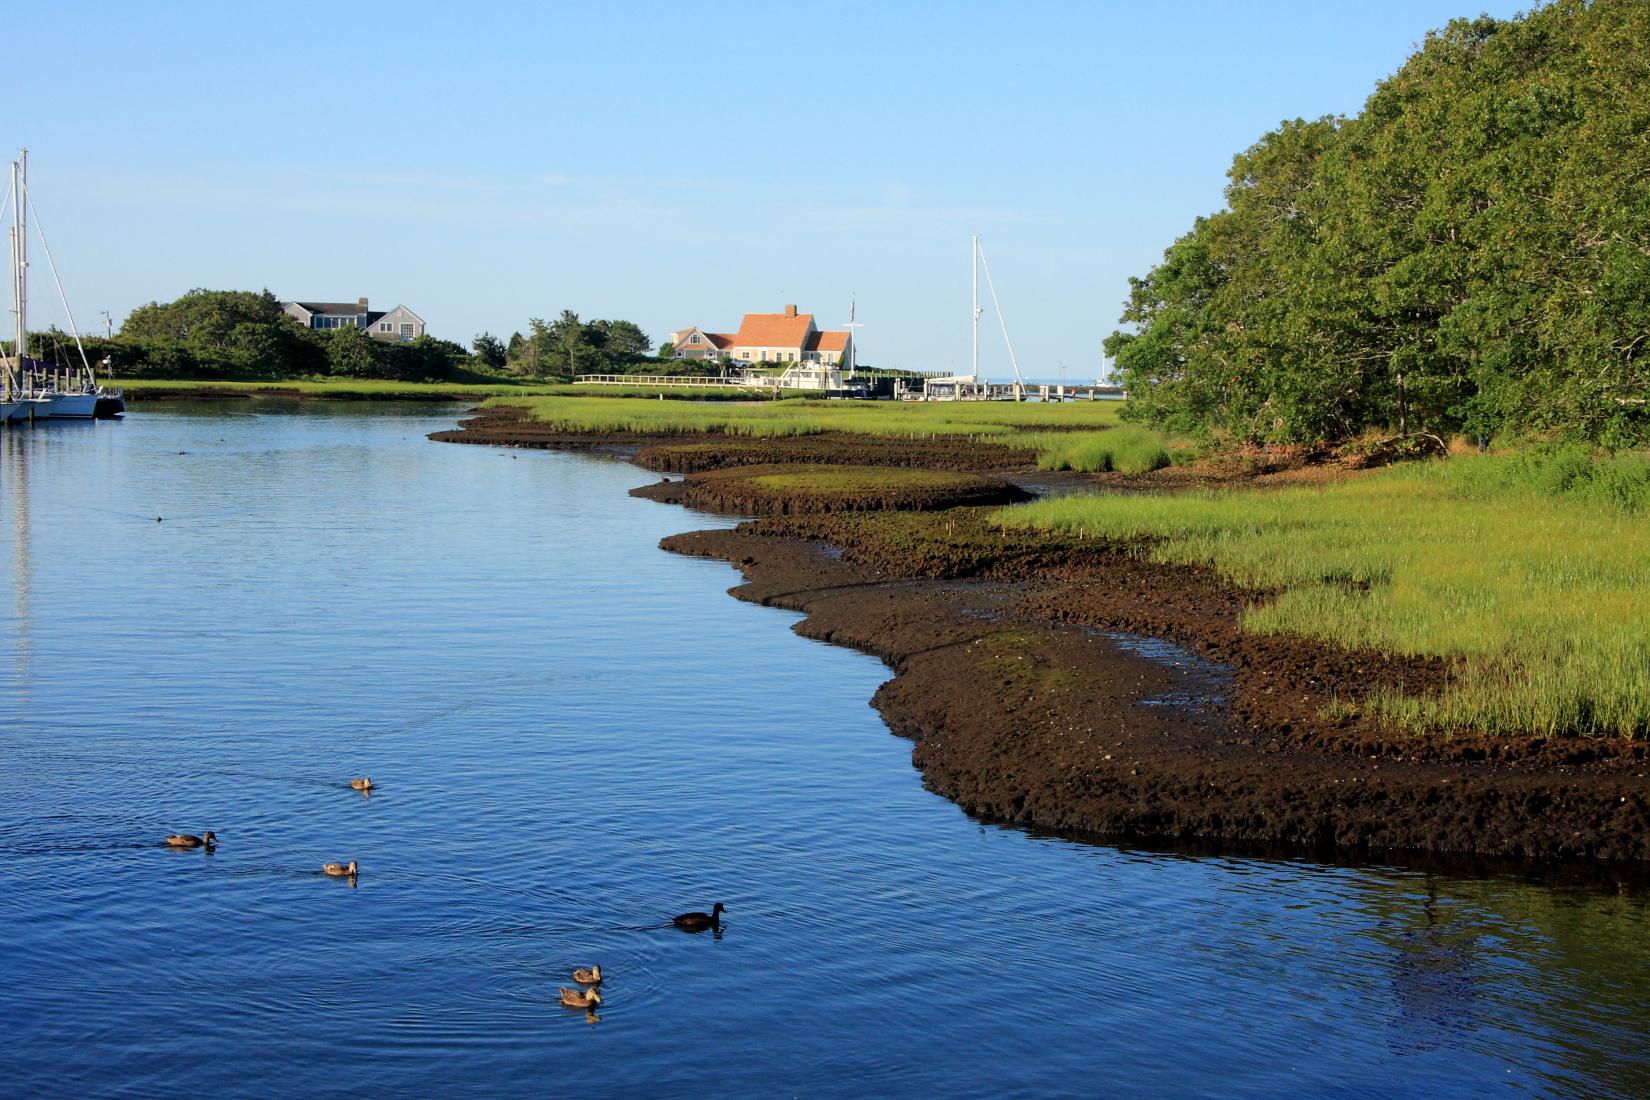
x=1471, y=251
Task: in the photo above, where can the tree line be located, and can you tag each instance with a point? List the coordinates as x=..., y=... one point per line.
x=233, y=334
x=1471, y=252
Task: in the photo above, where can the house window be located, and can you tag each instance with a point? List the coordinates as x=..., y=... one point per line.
x=406, y=331
x=385, y=326
x=693, y=339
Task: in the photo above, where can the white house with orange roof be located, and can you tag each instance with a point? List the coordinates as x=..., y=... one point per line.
x=782, y=338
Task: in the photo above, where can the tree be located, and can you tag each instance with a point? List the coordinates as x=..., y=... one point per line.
x=620, y=341
x=489, y=349
x=351, y=353
x=1471, y=251
x=219, y=332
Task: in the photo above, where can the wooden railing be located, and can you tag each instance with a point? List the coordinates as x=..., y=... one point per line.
x=655, y=380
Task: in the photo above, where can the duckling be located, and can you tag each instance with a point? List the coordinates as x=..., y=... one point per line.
x=339, y=870
x=362, y=784
x=188, y=840
x=576, y=998
x=698, y=922
x=588, y=975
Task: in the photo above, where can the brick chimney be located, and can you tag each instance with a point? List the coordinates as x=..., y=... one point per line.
x=790, y=311
x=362, y=302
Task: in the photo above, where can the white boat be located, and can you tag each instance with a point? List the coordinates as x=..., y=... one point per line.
x=968, y=387
x=32, y=389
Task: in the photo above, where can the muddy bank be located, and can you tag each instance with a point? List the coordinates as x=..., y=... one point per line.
x=1110, y=733
x=1071, y=685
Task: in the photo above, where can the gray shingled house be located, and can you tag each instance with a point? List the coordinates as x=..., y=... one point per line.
x=397, y=326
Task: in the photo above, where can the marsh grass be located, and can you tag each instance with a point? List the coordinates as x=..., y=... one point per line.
x=389, y=390
x=1004, y=423
x=1533, y=568
x=860, y=479
x=1128, y=450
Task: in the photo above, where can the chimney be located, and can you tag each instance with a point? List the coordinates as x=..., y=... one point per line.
x=362, y=302
x=790, y=311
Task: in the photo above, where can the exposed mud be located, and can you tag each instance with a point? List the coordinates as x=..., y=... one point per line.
x=1033, y=676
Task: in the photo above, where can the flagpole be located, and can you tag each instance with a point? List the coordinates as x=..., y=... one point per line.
x=853, y=305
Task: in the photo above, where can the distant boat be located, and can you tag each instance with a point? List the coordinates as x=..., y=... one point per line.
x=32, y=389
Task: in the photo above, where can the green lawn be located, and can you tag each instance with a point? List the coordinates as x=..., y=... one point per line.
x=1534, y=568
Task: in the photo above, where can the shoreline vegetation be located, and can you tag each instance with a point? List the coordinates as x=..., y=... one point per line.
x=343, y=389
x=1447, y=656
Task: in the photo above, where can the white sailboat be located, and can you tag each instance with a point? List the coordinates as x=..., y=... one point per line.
x=32, y=389
x=968, y=387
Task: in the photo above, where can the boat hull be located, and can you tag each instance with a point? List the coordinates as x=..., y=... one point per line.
x=70, y=406
x=109, y=406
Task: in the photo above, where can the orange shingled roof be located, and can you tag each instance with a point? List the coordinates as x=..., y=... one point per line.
x=773, y=330
x=720, y=339
x=828, y=341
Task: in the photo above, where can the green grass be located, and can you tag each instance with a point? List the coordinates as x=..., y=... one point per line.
x=859, y=479
x=1128, y=450
x=387, y=390
x=1532, y=568
x=1001, y=422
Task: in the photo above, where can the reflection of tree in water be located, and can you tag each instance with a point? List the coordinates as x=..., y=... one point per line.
x=1432, y=982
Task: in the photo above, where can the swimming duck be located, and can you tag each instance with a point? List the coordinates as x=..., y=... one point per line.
x=188, y=840
x=698, y=922
x=589, y=975
x=362, y=784
x=339, y=870
x=580, y=998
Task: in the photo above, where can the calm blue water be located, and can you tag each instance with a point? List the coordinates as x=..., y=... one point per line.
x=577, y=735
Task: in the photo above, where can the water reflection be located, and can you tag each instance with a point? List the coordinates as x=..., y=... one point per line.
x=581, y=735
x=1432, y=978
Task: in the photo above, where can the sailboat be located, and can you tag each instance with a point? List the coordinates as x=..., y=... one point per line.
x=32, y=389
x=968, y=387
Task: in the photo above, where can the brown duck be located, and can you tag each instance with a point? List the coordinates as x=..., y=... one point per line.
x=209, y=839
x=580, y=998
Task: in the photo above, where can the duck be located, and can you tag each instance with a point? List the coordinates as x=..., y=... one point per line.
x=580, y=998
x=588, y=975
x=698, y=922
x=339, y=870
x=209, y=839
x=362, y=784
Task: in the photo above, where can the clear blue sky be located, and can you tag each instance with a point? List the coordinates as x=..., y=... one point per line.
x=667, y=163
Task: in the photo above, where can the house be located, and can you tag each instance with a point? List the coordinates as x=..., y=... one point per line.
x=788, y=337
x=399, y=326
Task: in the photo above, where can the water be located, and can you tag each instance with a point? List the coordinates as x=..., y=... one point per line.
x=575, y=736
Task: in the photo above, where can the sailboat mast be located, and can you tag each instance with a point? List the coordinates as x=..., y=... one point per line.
x=20, y=251
x=974, y=362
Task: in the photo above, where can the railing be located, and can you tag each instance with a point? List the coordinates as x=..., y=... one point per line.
x=655, y=380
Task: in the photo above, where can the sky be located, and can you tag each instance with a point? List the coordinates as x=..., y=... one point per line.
x=666, y=163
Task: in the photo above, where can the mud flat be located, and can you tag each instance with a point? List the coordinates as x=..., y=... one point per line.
x=1071, y=685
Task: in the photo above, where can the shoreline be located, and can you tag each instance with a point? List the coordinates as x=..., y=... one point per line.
x=1077, y=688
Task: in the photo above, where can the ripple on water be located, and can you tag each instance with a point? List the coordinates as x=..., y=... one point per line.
x=577, y=736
